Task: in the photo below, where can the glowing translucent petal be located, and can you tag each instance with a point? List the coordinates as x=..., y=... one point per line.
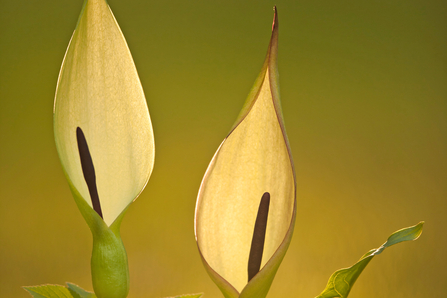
x=100, y=92
x=252, y=160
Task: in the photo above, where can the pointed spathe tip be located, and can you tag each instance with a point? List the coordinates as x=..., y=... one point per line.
x=275, y=18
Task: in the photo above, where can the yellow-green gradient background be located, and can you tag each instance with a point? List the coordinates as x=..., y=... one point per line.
x=364, y=94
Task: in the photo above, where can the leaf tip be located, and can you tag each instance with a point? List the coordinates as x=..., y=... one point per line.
x=420, y=226
x=416, y=230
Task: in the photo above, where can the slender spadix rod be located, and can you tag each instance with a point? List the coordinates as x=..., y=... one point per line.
x=88, y=170
x=257, y=242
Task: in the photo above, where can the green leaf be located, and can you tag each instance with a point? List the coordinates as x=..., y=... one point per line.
x=188, y=296
x=79, y=292
x=342, y=281
x=49, y=291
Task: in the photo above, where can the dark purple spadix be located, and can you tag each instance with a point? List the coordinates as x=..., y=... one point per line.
x=88, y=170
x=257, y=242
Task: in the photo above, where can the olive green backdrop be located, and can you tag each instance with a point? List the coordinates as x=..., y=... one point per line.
x=364, y=94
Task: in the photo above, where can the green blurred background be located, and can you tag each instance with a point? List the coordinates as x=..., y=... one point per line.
x=364, y=94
